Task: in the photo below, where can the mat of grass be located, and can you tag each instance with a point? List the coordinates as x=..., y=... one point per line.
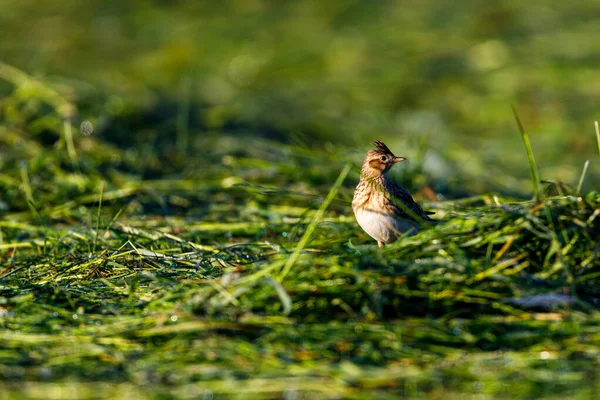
x=237, y=270
x=175, y=288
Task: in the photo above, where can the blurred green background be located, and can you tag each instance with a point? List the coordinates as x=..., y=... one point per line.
x=434, y=79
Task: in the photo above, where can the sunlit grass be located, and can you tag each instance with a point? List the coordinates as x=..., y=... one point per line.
x=535, y=174
x=242, y=271
x=173, y=285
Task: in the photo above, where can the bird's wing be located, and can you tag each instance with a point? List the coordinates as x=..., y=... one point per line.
x=403, y=197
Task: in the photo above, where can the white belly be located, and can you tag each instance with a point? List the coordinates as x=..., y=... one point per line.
x=384, y=228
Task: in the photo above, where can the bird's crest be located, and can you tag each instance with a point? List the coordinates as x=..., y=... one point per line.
x=382, y=147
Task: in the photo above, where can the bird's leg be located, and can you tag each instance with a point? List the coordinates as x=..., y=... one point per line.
x=380, y=244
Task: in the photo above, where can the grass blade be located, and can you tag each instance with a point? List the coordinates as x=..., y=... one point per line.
x=583, y=173
x=535, y=175
x=98, y=217
x=69, y=141
x=26, y=184
x=286, y=301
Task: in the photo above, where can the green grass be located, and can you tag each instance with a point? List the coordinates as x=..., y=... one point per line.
x=170, y=305
x=117, y=286
x=535, y=174
x=175, y=216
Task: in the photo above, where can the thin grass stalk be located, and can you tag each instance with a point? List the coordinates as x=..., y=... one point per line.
x=26, y=184
x=583, y=173
x=535, y=175
x=69, y=141
x=98, y=217
x=313, y=224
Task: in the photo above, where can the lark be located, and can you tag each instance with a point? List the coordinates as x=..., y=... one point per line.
x=382, y=208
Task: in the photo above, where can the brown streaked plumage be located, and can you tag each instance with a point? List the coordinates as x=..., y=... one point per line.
x=382, y=208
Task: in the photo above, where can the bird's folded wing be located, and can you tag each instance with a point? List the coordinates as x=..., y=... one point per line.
x=403, y=201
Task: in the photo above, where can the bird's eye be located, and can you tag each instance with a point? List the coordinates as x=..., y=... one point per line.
x=383, y=158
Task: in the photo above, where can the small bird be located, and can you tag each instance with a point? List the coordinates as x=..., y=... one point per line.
x=382, y=208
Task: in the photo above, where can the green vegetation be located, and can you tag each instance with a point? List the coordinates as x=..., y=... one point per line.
x=175, y=214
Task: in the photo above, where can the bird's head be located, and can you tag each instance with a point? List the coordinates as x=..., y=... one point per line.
x=380, y=161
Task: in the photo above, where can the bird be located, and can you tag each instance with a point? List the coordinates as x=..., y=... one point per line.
x=383, y=209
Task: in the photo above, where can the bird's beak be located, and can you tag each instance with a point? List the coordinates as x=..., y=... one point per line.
x=398, y=159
